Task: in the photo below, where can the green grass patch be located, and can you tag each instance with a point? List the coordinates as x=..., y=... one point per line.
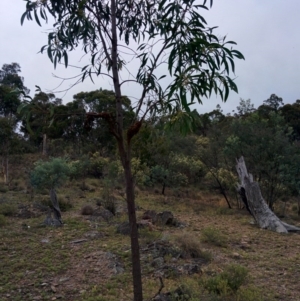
x=213, y=236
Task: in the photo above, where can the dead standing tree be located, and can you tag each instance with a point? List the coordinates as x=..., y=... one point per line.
x=255, y=203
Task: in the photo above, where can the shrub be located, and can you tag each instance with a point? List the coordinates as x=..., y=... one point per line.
x=65, y=205
x=214, y=237
x=191, y=247
x=249, y=294
x=228, y=282
x=3, y=188
x=108, y=199
x=235, y=275
x=224, y=211
x=7, y=209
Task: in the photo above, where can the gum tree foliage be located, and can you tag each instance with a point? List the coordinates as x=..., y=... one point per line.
x=168, y=41
x=291, y=114
x=36, y=115
x=11, y=83
x=218, y=169
x=49, y=175
x=245, y=108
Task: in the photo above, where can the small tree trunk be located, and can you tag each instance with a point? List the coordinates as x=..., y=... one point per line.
x=135, y=248
x=163, y=189
x=262, y=214
x=44, y=145
x=5, y=169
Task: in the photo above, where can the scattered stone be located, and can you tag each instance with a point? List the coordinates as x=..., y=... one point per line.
x=164, y=218
x=191, y=268
x=161, y=218
x=53, y=289
x=104, y=213
x=150, y=214
x=64, y=279
x=145, y=224
x=78, y=241
x=121, y=208
x=87, y=210
x=94, y=235
x=236, y=255
x=158, y=262
x=45, y=240
x=124, y=228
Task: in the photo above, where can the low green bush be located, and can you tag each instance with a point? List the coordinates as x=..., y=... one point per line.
x=213, y=236
x=228, y=282
x=8, y=209
x=3, y=188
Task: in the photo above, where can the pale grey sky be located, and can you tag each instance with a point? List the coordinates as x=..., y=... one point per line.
x=267, y=33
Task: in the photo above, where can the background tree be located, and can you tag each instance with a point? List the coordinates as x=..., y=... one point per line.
x=9, y=144
x=36, y=117
x=291, y=114
x=210, y=150
x=198, y=62
x=245, y=108
x=11, y=83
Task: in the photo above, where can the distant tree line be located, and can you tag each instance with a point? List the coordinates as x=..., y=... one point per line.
x=268, y=137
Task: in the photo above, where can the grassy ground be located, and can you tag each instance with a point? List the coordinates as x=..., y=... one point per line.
x=44, y=263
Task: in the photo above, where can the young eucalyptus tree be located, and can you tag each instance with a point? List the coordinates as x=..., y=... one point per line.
x=179, y=60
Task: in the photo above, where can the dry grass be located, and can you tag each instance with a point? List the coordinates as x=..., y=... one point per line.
x=43, y=263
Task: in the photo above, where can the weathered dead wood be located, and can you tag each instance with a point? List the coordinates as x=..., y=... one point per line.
x=56, y=209
x=255, y=203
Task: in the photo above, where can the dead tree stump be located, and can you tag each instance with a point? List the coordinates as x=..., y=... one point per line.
x=255, y=203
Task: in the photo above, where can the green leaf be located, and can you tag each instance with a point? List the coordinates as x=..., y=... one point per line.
x=23, y=17
x=37, y=18
x=65, y=58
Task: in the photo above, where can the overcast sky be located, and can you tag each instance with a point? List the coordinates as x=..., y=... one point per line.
x=267, y=33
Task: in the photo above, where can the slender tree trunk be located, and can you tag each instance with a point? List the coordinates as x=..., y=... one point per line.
x=5, y=169
x=125, y=156
x=135, y=248
x=44, y=151
x=163, y=189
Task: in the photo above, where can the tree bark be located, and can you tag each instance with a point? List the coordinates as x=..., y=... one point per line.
x=44, y=151
x=255, y=203
x=135, y=248
x=125, y=156
x=5, y=169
